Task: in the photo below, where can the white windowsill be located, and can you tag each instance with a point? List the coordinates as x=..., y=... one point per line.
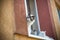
x=39, y=37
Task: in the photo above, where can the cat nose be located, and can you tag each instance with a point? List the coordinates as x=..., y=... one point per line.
x=31, y=18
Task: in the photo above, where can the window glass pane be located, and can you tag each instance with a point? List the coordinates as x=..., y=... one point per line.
x=59, y=14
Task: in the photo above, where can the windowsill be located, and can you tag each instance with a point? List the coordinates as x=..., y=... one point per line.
x=39, y=37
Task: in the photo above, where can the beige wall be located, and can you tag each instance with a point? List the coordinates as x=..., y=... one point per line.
x=55, y=18
x=57, y=3
x=22, y=37
x=6, y=20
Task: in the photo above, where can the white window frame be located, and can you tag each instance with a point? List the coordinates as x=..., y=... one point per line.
x=34, y=36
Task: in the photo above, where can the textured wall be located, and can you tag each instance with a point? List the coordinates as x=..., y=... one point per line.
x=55, y=17
x=22, y=37
x=57, y=3
x=6, y=20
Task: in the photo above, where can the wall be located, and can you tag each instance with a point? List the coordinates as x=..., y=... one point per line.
x=22, y=37
x=57, y=3
x=55, y=18
x=6, y=19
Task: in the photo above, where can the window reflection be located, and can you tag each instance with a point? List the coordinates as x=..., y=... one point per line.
x=59, y=14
